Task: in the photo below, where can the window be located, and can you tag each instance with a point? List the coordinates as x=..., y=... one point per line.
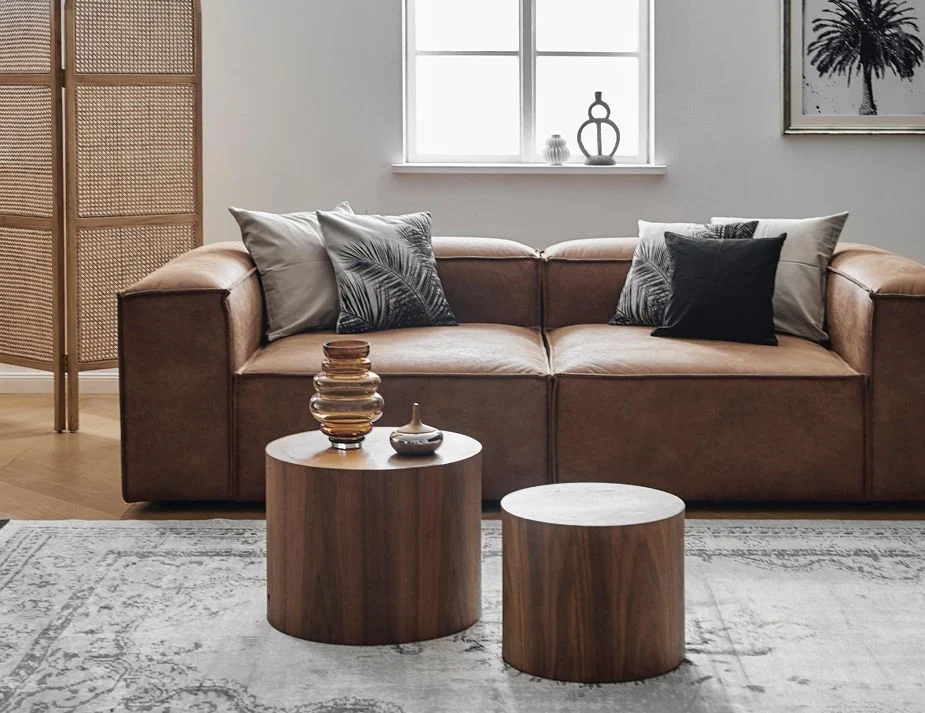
x=487, y=81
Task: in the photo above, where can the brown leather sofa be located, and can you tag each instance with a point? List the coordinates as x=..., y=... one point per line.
x=535, y=373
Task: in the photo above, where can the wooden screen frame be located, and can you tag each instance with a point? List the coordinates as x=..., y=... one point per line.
x=74, y=223
x=53, y=79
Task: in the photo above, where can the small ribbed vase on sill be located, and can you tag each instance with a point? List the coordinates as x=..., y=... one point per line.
x=346, y=402
x=556, y=152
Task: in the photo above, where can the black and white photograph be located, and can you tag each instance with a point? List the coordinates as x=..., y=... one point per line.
x=854, y=66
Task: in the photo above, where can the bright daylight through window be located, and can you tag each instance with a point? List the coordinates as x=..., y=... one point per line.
x=488, y=81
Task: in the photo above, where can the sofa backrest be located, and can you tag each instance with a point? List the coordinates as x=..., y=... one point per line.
x=490, y=280
x=583, y=279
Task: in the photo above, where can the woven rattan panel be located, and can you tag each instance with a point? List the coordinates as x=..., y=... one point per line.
x=26, y=309
x=25, y=36
x=30, y=149
x=26, y=168
x=110, y=260
x=135, y=150
x=134, y=154
x=134, y=37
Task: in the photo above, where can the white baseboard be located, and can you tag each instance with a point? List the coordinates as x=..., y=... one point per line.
x=27, y=381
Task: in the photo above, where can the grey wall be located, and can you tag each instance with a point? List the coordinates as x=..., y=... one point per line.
x=303, y=110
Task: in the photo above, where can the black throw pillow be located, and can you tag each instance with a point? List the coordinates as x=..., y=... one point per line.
x=722, y=289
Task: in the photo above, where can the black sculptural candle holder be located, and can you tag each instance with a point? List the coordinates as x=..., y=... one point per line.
x=599, y=159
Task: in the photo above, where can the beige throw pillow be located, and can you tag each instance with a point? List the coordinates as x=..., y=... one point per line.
x=298, y=280
x=799, y=292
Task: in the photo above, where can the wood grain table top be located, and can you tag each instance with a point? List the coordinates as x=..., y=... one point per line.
x=312, y=449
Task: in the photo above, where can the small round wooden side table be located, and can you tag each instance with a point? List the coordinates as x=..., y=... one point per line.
x=593, y=582
x=370, y=547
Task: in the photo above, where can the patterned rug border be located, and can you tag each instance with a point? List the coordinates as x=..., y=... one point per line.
x=695, y=523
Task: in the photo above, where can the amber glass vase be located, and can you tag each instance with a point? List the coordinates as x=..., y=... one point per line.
x=346, y=402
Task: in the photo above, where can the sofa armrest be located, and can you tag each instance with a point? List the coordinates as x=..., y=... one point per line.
x=880, y=272
x=183, y=331
x=876, y=321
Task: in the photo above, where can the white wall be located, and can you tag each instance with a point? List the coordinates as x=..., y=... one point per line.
x=303, y=109
x=17, y=380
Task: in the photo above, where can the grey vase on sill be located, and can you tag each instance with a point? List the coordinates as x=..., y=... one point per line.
x=556, y=152
x=599, y=122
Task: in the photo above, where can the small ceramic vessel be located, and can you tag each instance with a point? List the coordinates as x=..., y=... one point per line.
x=556, y=153
x=416, y=438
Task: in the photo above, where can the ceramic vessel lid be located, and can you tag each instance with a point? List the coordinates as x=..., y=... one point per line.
x=415, y=425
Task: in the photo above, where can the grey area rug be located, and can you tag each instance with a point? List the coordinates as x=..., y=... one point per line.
x=163, y=617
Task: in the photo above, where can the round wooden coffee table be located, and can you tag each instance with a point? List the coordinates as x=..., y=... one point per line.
x=593, y=581
x=370, y=547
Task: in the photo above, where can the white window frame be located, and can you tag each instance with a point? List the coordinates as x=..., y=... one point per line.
x=528, y=54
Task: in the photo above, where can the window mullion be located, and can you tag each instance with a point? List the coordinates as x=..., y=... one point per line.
x=527, y=79
x=410, y=93
x=647, y=83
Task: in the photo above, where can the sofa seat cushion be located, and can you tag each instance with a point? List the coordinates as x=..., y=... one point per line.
x=479, y=379
x=707, y=421
x=475, y=349
x=628, y=351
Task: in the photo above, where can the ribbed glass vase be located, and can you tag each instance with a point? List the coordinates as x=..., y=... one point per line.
x=346, y=402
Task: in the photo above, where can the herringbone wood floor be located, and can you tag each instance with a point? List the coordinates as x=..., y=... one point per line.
x=45, y=475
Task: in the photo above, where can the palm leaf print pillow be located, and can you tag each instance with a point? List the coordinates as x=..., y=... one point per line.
x=386, y=272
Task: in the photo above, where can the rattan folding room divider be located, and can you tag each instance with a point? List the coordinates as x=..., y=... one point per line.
x=100, y=172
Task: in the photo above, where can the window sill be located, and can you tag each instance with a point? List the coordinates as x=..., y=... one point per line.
x=575, y=169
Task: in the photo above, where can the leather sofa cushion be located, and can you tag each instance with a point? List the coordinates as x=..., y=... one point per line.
x=592, y=250
x=484, y=248
x=628, y=351
x=583, y=280
x=475, y=349
x=488, y=381
x=485, y=279
x=490, y=280
x=707, y=421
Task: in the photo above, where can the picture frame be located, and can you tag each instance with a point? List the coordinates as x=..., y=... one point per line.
x=828, y=86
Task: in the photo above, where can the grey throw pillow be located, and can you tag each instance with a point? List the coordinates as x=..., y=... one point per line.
x=799, y=292
x=386, y=272
x=648, y=285
x=299, y=286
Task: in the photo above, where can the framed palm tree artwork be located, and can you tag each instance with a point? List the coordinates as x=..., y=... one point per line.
x=854, y=66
